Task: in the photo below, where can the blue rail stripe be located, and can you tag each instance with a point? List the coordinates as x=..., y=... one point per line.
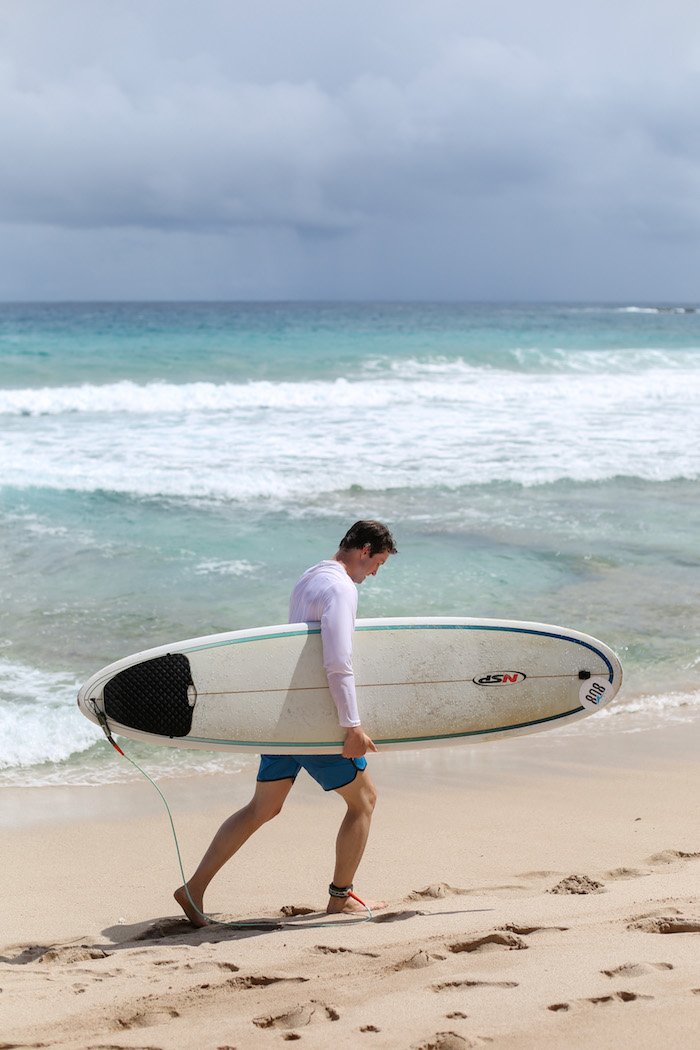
x=414, y=627
x=261, y=745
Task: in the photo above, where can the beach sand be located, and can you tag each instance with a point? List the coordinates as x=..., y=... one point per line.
x=541, y=892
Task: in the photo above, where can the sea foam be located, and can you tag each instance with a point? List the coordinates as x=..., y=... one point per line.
x=289, y=441
x=39, y=717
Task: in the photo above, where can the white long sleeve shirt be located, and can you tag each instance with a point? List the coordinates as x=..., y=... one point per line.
x=325, y=594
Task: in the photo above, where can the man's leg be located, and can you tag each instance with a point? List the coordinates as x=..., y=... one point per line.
x=265, y=804
x=360, y=797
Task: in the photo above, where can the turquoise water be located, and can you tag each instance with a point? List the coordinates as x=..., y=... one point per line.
x=168, y=470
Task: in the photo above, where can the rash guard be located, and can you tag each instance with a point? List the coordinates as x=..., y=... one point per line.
x=325, y=594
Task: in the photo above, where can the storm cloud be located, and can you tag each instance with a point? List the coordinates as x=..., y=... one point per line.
x=436, y=150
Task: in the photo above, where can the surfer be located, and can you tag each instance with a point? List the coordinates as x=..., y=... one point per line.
x=325, y=593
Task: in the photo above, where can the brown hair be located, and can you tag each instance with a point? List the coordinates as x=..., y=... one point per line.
x=370, y=534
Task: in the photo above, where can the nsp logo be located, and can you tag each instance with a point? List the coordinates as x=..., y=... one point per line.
x=500, y=678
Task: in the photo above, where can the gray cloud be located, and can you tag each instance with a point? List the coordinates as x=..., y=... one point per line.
x=275, y=128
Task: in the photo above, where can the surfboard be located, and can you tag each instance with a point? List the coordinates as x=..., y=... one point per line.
x=421, y=682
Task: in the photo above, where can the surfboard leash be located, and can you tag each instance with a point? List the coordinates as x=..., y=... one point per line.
x=272, y=924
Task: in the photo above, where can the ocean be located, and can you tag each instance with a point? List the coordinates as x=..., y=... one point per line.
x=170, y=469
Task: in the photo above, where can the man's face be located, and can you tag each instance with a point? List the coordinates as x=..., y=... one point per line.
x=367, y=564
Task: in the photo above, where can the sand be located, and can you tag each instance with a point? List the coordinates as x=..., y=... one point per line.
x=541, y=893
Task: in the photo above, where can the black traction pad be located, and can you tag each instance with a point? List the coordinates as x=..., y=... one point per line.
x=152, y=696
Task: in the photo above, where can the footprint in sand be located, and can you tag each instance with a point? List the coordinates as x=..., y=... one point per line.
x=525, y=931
x=450, y=1041
x=164, y=928
x=72, y=954
x=444, y=986
x=326, y=949
x=627, y=873
x=418, y=961
x=599, y=1000
x=636, y=969
x=299, y=1017
x=666, y=924
x=263, y=982
x=436, y=891
x=396, y=916
x=497, y=941
x=535, y=875
x=440, y=890
x=671, y=856
x=147, y=1018
x=204, y=966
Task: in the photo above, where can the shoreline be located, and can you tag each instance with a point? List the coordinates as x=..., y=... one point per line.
x=580, y=745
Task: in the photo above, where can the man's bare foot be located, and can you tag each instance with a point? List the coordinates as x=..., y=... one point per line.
x=350, y=906
x=191, y=910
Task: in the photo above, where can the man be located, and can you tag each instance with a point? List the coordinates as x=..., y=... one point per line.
x=326, y=593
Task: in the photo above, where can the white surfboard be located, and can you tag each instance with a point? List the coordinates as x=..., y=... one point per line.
x=421, y=682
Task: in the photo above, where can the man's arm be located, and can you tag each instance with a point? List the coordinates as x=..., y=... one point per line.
x=337, y=632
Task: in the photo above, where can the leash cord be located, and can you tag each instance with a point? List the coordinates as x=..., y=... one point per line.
x=272, y=924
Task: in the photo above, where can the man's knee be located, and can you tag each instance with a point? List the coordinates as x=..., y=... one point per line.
x=361, y=794
x=370, y=792
x=267, y=802
x=267, y=812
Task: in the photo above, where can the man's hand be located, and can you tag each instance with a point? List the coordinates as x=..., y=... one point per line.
x=357, y=743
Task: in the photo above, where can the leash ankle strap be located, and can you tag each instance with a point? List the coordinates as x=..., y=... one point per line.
x=339, y=891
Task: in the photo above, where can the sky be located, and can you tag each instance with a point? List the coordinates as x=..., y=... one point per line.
x=327, y=149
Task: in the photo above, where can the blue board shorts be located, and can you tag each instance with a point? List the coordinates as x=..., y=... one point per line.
x=330, y=771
